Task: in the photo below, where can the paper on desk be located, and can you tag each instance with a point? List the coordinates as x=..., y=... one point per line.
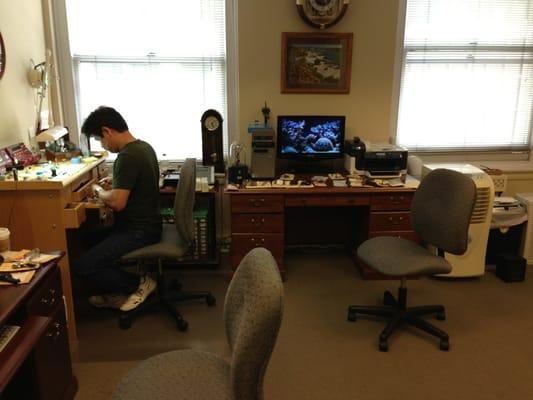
x=24, y=277
x=19, y=256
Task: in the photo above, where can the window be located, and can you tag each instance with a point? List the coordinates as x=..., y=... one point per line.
x=160, y=63
x=467, y=76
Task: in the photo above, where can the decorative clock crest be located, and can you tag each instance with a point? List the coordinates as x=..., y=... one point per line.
x=322, y=13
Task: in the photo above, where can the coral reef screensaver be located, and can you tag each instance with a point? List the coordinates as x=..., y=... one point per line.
x=311, y=135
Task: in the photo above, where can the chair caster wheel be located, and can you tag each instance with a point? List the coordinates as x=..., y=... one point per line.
x=441, y=316
x=210, y=300
x=352, y=316
x=383, y=346
x=182, y=325
x=124, y=321
x=444, y=345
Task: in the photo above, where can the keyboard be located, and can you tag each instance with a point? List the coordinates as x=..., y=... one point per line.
x=6, y=333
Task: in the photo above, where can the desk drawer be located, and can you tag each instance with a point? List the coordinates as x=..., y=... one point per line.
x=260, y=223
x=330, y=200
x=82, y=192
x=409, y=235
x=257, y=203
x=391, y=201
x=74, y=215
x=241, y=244
x=390, y=221
x=44, y=301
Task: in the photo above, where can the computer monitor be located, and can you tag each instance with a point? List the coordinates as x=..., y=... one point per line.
x=301, y=137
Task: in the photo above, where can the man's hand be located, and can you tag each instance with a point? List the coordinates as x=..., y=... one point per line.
x=97, y=189
x=106, y=182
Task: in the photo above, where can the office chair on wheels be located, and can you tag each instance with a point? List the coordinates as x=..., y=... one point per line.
x=253, y=311
x=177, y=240
x=440, y=214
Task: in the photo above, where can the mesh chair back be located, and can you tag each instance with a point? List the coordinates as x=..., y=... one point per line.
x=184, y=200
x=252, y=313
x=441, y=210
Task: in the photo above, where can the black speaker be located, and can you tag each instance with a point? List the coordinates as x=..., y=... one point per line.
x=237, y=174
x=511, y=267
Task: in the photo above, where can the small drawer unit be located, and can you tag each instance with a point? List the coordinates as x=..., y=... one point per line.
x=257, y=220
x=389, y=216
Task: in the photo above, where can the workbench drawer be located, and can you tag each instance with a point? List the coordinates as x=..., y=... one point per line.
x=391, y=201
x=81, y=193
x=257, y=203
x=257, y=223
x=74, y=215
x=44, y=301
x=390, y=221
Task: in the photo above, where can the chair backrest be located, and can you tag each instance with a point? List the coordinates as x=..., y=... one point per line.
x=253, y=310
x=184, y=200
x=441, y=210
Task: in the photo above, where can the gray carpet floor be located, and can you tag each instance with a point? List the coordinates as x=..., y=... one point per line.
x=319, y=355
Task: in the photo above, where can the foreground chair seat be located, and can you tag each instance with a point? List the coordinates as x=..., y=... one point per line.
x=181, y=374
x=253, y=310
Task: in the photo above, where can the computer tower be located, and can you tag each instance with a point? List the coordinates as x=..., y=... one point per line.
x=263, y=159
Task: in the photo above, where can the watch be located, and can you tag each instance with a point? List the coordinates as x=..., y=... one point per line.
x=322, y=13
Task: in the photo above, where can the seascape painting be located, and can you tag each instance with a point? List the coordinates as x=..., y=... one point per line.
x=316, y=62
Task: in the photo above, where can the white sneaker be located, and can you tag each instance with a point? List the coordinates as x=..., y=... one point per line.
x=146, y=287
x=108, y=300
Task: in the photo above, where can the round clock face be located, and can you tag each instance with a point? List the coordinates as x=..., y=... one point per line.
x=211, y=123
x=322, y=13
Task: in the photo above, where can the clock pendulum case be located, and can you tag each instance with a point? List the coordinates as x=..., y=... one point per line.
x=212, y=140
x=322, y=13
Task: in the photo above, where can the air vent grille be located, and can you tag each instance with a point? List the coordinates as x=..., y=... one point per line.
x=481, y=208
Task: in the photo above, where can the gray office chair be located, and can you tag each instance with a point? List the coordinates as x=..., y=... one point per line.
x=440, y=214
x=177, y=241
x=252, y=314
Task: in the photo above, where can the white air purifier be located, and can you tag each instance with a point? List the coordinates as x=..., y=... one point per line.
x=526, y=199
x=472, y=262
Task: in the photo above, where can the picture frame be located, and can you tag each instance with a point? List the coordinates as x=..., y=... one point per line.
x=316, y=62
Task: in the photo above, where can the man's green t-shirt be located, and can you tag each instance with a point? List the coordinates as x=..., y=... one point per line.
x=136, y=169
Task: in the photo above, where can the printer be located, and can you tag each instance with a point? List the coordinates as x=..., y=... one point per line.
x=375, y=160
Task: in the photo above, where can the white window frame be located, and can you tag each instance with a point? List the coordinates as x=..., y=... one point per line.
x=67, y=84
x=437, y=155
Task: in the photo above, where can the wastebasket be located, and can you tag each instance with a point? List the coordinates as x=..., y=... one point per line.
x=506, y=228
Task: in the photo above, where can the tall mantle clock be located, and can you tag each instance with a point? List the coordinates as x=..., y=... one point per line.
x=322, y=13
x=212, y=139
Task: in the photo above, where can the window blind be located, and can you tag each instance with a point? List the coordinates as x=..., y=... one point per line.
x=160, y=63
x=467, y=76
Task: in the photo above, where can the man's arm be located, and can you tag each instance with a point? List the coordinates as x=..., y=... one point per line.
x=116, y=199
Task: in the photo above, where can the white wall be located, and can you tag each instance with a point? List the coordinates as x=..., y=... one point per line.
x=21, y=24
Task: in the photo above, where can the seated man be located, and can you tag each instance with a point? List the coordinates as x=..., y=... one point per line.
x=134, y=198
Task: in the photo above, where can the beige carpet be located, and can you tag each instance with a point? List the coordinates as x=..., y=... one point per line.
x=319, y=355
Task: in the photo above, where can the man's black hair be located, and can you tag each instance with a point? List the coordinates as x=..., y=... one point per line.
x=103, y=116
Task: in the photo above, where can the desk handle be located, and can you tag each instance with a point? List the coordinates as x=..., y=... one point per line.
x=257, y=202
x=397, y=199
x=257, y=223
x=258, y=243
x=50, y=302
x=395, y=221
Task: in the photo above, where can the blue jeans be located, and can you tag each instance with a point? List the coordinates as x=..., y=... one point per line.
x=99, y=265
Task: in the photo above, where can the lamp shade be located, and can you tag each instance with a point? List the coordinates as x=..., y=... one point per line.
x=52, y=134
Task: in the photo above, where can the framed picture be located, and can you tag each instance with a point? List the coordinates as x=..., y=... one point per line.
x=316, y=62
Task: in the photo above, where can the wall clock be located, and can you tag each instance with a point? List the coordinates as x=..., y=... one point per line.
x=321, y=13
x=212, y=139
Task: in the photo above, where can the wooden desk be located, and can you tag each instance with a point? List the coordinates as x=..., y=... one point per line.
x=36, y=363
x=261, y=217
x=39, y=212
